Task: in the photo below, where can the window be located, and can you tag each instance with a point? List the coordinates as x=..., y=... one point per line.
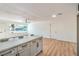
x=18, y=28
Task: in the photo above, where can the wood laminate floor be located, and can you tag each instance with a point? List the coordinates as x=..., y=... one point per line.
x=58, y=48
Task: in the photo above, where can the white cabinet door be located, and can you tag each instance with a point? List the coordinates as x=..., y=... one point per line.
x=25, y=49
x=36, y=46
x=39, y=44
x=33, y=47
x=10, y=52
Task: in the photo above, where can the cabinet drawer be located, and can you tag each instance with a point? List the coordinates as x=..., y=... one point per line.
x=21, y=47
x=10, y=52
x=33, y=42
x=24, y=49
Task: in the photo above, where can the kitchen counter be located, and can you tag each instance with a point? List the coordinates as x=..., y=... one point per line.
x=15, y=42
x=10, y=35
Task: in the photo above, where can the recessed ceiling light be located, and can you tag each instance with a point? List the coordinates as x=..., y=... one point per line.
x=54, y=16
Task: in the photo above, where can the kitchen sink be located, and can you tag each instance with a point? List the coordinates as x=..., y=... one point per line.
x=4, y=40
x=20, y=37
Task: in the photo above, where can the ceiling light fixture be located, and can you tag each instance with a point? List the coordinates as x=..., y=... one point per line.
x=54, y=15
x=27, y=20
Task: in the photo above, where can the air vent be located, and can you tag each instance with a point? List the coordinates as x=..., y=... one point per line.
x=59, y=13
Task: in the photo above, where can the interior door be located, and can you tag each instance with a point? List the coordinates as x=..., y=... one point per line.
x=78, y=34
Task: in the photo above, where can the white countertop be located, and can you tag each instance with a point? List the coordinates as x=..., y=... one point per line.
x=9, y=35
x=13, y=43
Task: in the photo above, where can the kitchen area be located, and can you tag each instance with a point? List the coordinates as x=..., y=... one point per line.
x=20, y=45
x=38, y=29
x=15, y=41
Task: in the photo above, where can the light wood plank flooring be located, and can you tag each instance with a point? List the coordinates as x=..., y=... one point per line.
x=58, y=48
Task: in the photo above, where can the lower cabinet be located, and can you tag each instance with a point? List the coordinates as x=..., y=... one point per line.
x=39, y=45
x=10, y=52
x=31, y=48
x=36, y=46
x=24, y=49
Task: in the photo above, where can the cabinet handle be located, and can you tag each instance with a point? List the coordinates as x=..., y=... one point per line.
x=6, y=53
x=17, y=54
x=37, y=44
x=40, y=39
x=24, y=45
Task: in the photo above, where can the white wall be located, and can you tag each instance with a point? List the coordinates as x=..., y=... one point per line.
x=63, y=30
x=39, y=28
x=63, y=27
x=4, y=26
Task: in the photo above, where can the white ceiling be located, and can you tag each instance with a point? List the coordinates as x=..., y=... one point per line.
x=35, y=12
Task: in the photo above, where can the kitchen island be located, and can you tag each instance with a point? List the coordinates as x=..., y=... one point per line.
x=25, y=46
